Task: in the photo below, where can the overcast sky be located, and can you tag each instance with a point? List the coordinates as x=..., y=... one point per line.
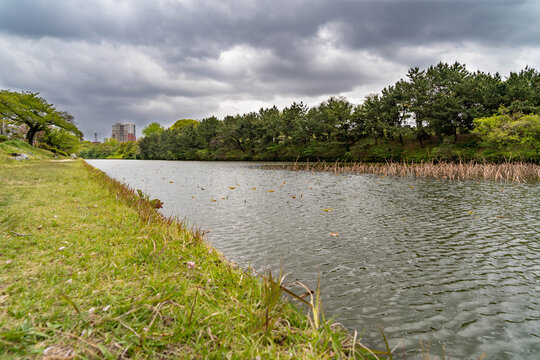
x=140, y=61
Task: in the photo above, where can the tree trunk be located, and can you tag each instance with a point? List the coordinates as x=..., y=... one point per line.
x=30, y=135
x=419, y=137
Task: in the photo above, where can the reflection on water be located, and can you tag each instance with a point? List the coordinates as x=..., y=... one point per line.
x=445, y=262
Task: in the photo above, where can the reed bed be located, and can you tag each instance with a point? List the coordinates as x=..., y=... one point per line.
x=515, y=172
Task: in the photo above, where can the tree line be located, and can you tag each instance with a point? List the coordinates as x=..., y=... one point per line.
x=436, y=105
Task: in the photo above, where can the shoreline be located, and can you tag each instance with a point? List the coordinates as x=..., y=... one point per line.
x=95, y=271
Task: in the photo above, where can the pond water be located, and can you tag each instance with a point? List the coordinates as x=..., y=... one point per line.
x=451, y=263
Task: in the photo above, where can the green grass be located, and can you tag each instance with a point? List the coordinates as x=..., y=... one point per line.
x=88, y=269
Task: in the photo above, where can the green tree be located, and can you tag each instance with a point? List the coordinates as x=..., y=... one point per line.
x=62, y=140
x=294, y=123
x=207, y=131
x=153, y=128
x=507, y=129
x=416, y=91
x=35, y=112
x=179, y=124
x=368, y=119
x=522, y=92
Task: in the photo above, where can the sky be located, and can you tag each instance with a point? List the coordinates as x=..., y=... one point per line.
x=143, y=61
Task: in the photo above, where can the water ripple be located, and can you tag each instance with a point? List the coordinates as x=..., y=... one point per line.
x=453, y=263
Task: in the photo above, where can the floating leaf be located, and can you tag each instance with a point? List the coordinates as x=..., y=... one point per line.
x=327, y=210
x=294, y=197
x=253, y=188
x=270, y=190
x=232, y=187
x=171, y=182
x=412, y=187
x=213, y=200
x=334, y=234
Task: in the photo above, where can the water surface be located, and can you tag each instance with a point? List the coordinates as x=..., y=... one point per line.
x=453, y=263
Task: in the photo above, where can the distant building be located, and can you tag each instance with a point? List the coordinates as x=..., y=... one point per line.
x=96, y=141
x=124, y=132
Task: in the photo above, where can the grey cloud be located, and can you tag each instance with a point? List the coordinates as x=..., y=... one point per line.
x=158, y=60
x=209, y=26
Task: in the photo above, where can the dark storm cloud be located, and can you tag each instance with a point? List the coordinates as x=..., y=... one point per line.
x=209, y=26
x=157, y=60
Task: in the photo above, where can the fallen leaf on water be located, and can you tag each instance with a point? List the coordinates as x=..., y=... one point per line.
x=471, y=212
x=232, y=187
x=412, y=187
x=193, y=197
x=171, y=182
x=294, y=197
x=270, y=190
x=334, y=234
x=327, y=210
x=253, y=188
x=213, y=200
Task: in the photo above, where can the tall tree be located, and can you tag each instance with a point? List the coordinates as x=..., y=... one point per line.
x=417, y=93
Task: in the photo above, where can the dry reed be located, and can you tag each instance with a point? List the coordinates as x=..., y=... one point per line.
x=517, y=172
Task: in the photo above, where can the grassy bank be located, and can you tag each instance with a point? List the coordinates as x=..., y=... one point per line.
x=20, y=147
x=505, y=172
x=89, y=270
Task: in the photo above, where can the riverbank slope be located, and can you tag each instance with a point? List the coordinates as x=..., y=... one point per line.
x=87, y=272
